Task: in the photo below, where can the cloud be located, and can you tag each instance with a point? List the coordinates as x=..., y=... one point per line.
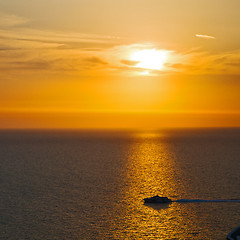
x=129, y=62
x=234, y=63
x=176, y=65
x=204, y=36
x=95, y=61
x=80, y=53
x=6, y=48
x=218, y=63
x=14, y=33
x=10, y=20
x=33, y=49
x=66, y=40
x=32, y=65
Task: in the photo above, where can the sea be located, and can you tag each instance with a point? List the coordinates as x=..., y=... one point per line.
x=90, y=184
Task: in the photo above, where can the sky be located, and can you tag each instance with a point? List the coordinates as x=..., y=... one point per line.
x=119, y=63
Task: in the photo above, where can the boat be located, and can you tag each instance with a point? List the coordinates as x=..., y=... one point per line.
x=157, y=199
x=234, y=235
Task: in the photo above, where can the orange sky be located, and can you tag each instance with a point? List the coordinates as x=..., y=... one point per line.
x=119, y=64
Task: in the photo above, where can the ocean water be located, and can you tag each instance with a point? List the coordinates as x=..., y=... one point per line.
x=91, y=185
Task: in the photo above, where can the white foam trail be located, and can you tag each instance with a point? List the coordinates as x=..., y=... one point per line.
x=203, y=200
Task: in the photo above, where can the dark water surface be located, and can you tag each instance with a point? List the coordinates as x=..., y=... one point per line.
x=90, y=185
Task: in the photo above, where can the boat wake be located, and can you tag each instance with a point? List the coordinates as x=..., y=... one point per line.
x=157, y=199
x=204, y=200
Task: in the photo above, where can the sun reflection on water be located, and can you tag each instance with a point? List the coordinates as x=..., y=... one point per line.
x=150, y=171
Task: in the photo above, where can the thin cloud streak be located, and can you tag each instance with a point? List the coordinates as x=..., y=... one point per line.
x=11, y=20
x=204, y=36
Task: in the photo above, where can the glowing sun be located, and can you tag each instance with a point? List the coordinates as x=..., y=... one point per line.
x=151, y=59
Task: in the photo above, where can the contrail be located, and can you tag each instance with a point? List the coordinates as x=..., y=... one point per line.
x=204, y=36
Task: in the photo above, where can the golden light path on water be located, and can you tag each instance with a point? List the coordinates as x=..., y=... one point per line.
x=150, y=171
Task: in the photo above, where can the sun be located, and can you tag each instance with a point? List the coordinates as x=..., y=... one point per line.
x=151, y=59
